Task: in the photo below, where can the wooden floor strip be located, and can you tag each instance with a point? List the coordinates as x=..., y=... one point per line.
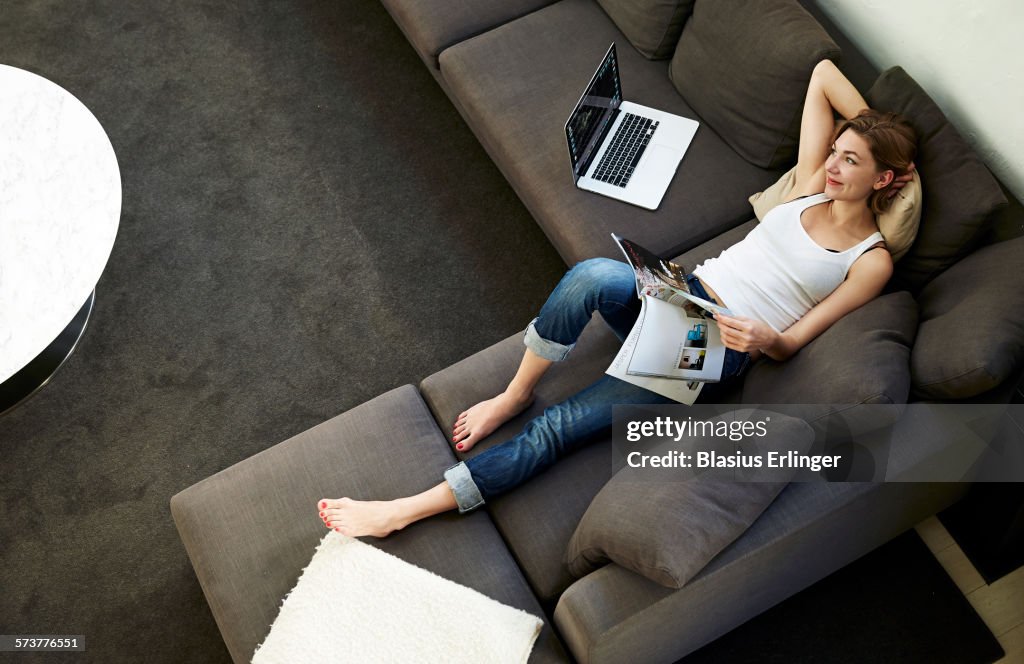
x=1000, y=605
x=1013, y=643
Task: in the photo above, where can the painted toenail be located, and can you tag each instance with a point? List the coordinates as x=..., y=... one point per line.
x=459, y=446
x=323, y=505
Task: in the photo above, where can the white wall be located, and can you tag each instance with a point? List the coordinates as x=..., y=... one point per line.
x=967, y=54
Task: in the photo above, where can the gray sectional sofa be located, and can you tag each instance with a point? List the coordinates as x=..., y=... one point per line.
x=514, y=69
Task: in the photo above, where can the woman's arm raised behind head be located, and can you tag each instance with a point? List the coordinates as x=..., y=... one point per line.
x=829, y=91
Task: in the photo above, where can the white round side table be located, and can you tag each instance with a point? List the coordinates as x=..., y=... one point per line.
x=60, y=203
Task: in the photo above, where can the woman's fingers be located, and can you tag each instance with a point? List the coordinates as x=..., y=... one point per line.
x=732, y=339
x=735, y=324
x=901, y=181
x=743, y=334
x=728, y=321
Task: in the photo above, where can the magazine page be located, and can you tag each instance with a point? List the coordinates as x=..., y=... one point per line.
x=654, y=276
x=703, y=308
x=683, y=391
x=672, y=344
x=664, y=280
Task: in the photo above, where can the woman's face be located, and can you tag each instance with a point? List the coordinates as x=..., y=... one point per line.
x=851, y=173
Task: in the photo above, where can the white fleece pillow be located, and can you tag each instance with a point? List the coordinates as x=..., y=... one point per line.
x=356, y=603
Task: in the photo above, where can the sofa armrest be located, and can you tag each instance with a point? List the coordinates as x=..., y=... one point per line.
x=971, y=336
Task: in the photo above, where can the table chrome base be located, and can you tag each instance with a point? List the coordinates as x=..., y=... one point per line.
x=40, y=370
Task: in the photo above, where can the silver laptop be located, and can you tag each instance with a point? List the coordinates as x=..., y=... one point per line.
x=621, y=149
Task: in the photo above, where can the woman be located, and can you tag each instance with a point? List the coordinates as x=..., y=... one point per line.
x=814, y=264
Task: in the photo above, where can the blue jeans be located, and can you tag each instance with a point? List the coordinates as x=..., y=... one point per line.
x=601, y=285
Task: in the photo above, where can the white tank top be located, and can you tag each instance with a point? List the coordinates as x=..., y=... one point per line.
x=777, y=273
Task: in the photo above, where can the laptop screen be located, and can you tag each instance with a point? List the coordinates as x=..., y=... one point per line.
x=593, y=114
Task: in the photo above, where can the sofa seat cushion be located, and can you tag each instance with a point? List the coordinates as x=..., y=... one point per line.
x=863, y=358
x=960, y=194
x=251, y=529
x=538, y=544
x=516, y=86
x=432, y=27
x=745, y=66
x=971, y=336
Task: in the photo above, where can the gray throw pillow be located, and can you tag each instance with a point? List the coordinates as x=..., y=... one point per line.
x=960, y=194
x=863, y=358
x=668, y=530
x=651, y=26
x=744, y=68
x=971, y=336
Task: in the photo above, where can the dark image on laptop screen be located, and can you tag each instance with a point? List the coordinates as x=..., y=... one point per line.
x=588, y=122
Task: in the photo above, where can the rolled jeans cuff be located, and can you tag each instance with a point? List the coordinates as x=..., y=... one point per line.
x=549, y=350
x=466, y=493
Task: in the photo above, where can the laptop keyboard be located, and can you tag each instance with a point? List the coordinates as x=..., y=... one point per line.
x=628, y=145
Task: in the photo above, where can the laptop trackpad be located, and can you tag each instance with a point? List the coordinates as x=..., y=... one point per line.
x=661, y=162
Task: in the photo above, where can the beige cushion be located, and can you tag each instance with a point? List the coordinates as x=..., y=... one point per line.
x=898, y=224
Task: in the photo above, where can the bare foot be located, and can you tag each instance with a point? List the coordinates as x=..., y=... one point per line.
x=356, y=518
x=478, y=422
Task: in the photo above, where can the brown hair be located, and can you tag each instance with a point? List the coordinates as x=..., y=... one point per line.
x=893, y=144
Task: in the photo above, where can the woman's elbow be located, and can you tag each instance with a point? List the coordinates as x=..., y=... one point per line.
x=823, y=70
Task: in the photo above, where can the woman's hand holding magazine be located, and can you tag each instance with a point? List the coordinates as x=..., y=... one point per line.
x=743, y=334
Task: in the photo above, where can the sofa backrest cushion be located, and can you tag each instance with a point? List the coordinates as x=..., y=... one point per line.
x=960, y=194
x=651, y=26
x=971, y=336
x=863, y=358
x=666, y=527
x=744, y=68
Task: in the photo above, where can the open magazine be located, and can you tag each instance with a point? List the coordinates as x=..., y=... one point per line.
x=675, y=346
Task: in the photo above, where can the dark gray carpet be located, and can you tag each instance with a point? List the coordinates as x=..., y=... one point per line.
x=896, y=604
x=307, y=223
